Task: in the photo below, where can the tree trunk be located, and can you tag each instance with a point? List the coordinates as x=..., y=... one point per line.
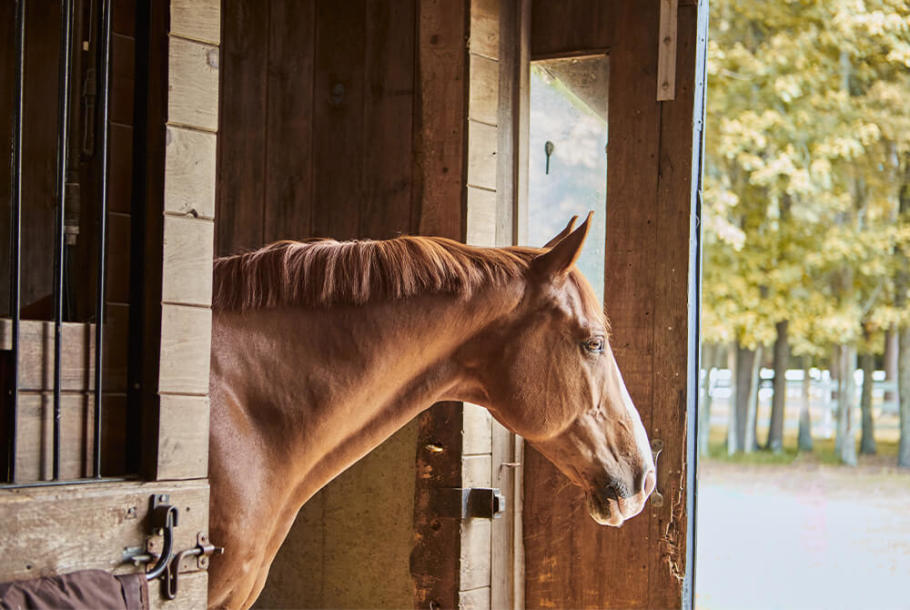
x=779, y=399
x=709, y=358
x=733, y=444
x=890, y=362
x=903, y=391
x=867, y=444
x=901, y=285
x=804, y=442
x=750, y=440
x=845, y=443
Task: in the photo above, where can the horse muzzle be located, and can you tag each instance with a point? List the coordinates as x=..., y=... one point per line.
x=611, y=505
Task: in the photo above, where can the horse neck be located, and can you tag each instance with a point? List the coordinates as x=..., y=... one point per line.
x=324, y=387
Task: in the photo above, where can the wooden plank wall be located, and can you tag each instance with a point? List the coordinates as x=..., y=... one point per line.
x=571, y=561
x=346, y=119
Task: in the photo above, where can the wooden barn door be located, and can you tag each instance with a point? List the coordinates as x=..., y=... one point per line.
x=650, y=278
x=159, y=216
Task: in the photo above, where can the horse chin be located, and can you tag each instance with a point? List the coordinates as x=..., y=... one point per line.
x=604, y=511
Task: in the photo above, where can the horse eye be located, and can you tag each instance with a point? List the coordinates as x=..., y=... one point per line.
x=595, y=345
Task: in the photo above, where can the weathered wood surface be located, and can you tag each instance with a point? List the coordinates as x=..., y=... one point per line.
x=189, y=179
x=570, y=27
x=571, y=561
x=186, y=338
x=54, y=530
x=666, y=57
x=34, y=435
x=193, y=84
x=187, y=274
x=197, y=20
x=36, y=352
x=183, y=448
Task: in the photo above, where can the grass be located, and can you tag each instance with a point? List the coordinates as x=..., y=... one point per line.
x=822, y=453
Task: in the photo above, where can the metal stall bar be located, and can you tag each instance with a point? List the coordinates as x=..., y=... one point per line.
x=63, y=105
x=102, y=224
x=16, y=235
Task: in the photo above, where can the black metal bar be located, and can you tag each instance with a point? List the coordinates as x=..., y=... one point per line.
x=16, y=234
x=105, y=43
x=63, y=103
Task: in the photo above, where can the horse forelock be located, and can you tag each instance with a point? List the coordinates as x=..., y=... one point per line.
x=321, y=273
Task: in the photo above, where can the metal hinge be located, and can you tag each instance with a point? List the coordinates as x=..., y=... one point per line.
x=468, y=502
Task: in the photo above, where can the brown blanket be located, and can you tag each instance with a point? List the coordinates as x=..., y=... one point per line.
x=89, y=589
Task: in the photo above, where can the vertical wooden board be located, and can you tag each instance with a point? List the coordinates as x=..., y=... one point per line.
x=39, y=157
x=440, y=136
x=476, y=422
x=189, y=172
x=197, y=19
x=187, y=273
x=34, y=449
x=485, y=15
x=34, y=444
x=507, y=120
x=287, y=205
x=672, y=315
x=483, y=103
x=185, y=349
x=36, y=353
x=338, y=117
x=117, y=288
x=482, y=143
x=435, y=566
x=123, y=78
x=477, y=471
x=504, y=566
x=475, y=599
x=666, y=58
x=240, y=189
x=120, y=177
x=192, y=84
x=388, y=118
x=481, y=217
x=475, y=554
x=7, y=72
x=123, y=17
x=183, y=433
x=571, y=27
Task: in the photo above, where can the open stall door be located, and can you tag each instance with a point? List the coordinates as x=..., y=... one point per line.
x=76, y=495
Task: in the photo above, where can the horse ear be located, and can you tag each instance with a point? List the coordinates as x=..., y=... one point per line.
x=557, y=261
x=562, y=234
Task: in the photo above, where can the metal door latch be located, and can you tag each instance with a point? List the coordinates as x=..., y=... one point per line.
x=162, y=521
x=468, y=502
x=201, y=552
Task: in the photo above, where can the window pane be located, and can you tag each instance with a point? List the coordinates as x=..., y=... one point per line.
x=569, y=119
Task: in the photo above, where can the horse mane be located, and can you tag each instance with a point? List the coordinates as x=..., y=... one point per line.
x=324, y=272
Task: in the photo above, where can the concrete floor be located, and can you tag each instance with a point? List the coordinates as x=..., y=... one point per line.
x=803, y=536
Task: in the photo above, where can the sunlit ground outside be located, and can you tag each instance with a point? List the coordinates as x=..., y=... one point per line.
x=795, y=530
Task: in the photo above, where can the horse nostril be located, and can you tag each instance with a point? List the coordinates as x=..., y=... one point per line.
x=649, y=483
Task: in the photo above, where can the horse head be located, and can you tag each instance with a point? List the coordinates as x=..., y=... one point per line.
x=553, y=379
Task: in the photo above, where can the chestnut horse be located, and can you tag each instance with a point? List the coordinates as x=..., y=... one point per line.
x=322, y=350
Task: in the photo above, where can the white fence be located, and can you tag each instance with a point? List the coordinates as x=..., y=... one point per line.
x=822, y=399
